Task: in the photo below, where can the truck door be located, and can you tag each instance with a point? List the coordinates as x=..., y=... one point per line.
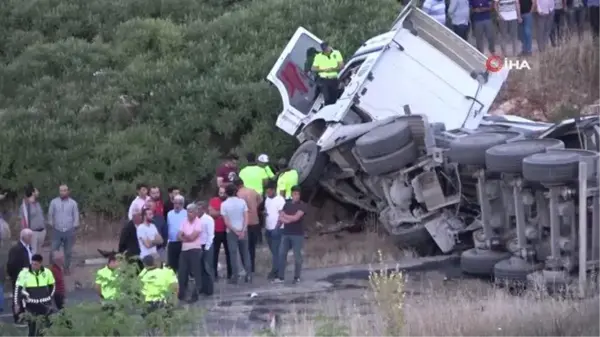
x=292, y=77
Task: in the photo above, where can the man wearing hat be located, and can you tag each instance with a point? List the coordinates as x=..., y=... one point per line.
x=327, y=64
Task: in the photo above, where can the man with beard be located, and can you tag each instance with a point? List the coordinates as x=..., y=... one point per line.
x=214, y=209
x=227, y=171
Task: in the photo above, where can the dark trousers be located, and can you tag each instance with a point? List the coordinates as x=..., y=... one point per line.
x=208, y=276
x=462, y=31
x=190, y=261
x=254, y=232
x=274, y=241
x=38, y=320
x=295, y=243
x=220, y=240
x=557, y=27
x=16, y=314
x=173, y=252
x=594, y=17
x=330, y=89
x=59, y=301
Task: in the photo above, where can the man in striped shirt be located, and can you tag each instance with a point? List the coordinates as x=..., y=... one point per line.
x=436, y=9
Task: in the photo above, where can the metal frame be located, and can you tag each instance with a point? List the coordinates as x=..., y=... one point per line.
x=586, y=264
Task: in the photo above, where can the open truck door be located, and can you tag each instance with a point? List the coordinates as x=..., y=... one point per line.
x=292, y=77
x=449, y=80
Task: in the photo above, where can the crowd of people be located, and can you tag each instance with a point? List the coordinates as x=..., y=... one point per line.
x=253, y=203
x=516, y=20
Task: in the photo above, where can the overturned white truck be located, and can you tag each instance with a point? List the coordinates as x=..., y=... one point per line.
x=410, y=140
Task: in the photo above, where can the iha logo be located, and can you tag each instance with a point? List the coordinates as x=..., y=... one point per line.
x=495, y=63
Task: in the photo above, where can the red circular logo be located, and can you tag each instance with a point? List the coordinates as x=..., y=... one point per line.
x=494, y=63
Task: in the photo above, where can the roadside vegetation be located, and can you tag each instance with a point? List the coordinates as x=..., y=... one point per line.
x=104, y=94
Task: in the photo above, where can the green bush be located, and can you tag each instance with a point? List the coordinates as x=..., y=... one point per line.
x=104, y=94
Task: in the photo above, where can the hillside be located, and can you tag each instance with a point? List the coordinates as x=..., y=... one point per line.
x=104, y=94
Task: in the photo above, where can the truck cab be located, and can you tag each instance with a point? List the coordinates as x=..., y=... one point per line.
x=418, y=65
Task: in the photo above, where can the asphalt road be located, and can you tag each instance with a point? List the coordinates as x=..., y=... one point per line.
x=232, y=310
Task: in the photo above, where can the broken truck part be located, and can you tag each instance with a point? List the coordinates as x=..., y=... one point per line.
x=410, y=140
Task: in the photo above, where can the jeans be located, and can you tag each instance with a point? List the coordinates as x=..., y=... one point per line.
x=484, y=30
x=236, y=245
x=274, y=241
x=208, y=275
x=295, y=243
x=173, y=254
x=462, y=31
x=66, y=240
x=254, y=232
x=220, y=240
x=190, y=261
x=526, y=33
x=1, y=295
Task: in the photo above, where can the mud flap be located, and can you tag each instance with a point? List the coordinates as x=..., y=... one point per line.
x=442, y=233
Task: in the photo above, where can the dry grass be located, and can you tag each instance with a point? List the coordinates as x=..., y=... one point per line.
x=561, y=82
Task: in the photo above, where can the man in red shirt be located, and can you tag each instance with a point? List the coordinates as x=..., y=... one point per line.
x=227, y=172
x=57, y=269
x=159, y=208
x=220, y=234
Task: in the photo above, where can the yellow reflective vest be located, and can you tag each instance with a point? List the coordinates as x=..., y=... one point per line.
x=323, y=61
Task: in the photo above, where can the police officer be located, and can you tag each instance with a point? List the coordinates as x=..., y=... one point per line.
x=106, y=279
x=287, y=178
x=327, y=64
x=158, y=284
x=34, y=291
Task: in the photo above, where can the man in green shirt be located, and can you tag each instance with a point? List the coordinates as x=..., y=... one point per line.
x=287, y=178
x=255, y=175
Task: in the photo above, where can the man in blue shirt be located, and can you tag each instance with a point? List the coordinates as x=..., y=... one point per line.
x=483, y=27
x=175, y=218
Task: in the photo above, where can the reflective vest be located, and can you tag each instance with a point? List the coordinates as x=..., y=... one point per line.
x=106, y=278
x=35, y=287
x=323, y=61
x=253, y=177
x=156, y=283
x=286, y=181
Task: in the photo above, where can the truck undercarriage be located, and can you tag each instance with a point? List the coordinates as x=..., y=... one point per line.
x=409, y=140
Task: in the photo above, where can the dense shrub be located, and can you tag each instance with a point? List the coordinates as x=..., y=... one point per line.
x=103, y=94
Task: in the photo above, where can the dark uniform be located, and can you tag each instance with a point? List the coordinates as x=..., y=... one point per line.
x=34, y=291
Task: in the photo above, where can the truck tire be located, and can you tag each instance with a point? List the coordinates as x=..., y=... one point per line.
x=481, y=262
x=513, y=271
x=551, y=167
x=470, y=150
x=383, y=140
x=508, y=158
x=417, y=238
x=310, y=162
x=391, y=162
x=587, y=156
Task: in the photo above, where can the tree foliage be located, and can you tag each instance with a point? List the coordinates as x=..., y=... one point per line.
x=103, y=94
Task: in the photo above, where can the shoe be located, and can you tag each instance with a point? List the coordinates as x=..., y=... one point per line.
x=232, y=281
x=248, y=278
x=296, y=280
x=20, y=324
x=193, y=299
x=277, y=280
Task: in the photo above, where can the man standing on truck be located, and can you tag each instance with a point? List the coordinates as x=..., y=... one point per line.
x=327, y=64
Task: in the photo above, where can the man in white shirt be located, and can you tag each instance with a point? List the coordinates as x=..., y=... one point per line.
x=207, y=236
x=273, y=206
x=458, y=12
x=544, y=18
x=147, y=234
x=140, y=201
x=509, y=17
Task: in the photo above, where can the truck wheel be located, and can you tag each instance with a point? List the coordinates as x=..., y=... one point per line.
x=513, y=271
x=383, y=140
x=309, y=162
x=481, y=262
x=470, y=150
x=391, y=162
x=587, y=156
x=508, y=158
x=551, y=167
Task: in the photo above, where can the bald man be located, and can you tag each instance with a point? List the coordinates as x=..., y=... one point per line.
x=19, y=257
